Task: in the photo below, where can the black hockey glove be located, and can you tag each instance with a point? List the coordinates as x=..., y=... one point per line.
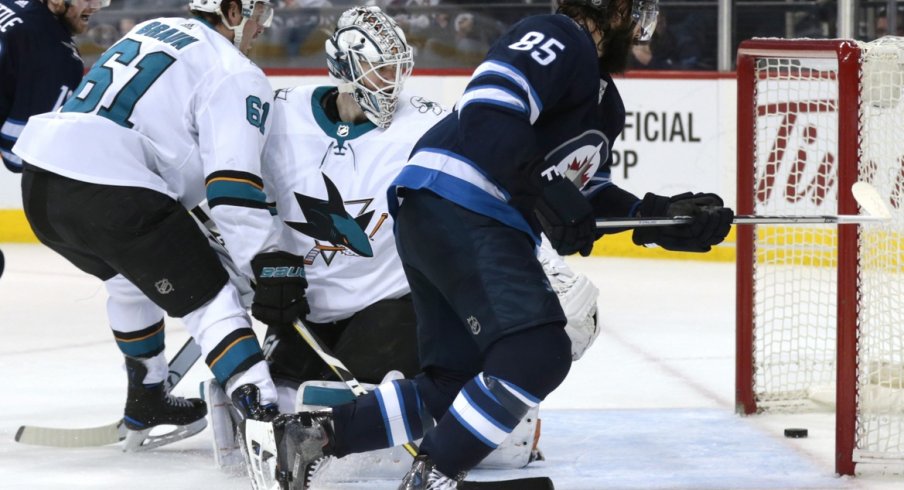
x=566, y=217
x=711, y=223
x=279, y=296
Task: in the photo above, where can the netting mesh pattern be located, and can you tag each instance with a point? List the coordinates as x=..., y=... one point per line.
x=795, y=275
x=795, y=285
x=880, y=418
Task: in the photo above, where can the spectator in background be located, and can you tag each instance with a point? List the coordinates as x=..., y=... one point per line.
x=672, y=47
x=300, y=20
x=882, y=23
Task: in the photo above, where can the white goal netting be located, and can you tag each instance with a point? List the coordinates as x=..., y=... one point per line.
x=798, y=129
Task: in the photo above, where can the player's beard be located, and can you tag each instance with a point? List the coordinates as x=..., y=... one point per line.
x=72, y=20
x=618, y=49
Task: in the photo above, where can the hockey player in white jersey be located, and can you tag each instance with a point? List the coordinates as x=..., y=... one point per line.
x=171, y=114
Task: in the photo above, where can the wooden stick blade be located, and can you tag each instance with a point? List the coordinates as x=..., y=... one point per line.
x=869, y=199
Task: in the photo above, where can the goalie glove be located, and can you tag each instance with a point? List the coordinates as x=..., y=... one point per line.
x=577, y=295
x=711, y=222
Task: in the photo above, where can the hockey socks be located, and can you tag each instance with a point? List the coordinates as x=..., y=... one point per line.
x=391, y=415
x=482, y=416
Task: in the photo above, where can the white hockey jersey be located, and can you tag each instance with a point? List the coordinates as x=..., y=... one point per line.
x=331, y=180
x=176, y=108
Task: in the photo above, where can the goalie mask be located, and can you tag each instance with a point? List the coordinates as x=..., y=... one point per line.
x=259, y=10
x=644, y=13
x=371, y=59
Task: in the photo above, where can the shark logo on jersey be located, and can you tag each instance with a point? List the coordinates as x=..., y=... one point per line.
x=328, y=221
x=579, y=158
x=424, y=106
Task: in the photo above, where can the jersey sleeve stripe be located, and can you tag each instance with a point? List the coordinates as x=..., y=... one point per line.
x=245, y=191
x=12, y=161
x=494, y=95
x=515, y=76
x=236, y=176
x=11, y=129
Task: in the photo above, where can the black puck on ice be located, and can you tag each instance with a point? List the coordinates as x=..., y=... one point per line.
x=796, y=433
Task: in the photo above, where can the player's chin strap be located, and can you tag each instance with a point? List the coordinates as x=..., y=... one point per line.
x=238, y=30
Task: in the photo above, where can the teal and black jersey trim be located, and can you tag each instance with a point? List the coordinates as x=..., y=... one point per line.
x=145, y=343
x=236, y=188
x=237, y=352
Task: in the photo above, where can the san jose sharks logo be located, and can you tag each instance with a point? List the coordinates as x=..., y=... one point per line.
x=328, y=221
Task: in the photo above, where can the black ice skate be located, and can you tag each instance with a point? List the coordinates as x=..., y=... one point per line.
x=288, y=449
x=423, y=475
x=149, y=406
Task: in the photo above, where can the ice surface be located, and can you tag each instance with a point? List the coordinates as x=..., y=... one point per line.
x=650, y=406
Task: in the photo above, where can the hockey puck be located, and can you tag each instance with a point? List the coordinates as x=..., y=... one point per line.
x=796, y=433
x=2, y=262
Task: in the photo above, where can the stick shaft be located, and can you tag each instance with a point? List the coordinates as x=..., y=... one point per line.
x=749, y=219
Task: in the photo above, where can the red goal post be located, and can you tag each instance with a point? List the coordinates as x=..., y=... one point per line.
x=819, y=308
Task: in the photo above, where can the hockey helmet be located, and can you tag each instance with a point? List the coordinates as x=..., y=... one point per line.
x=370, y=58
x=643, y=12
x=250, y=10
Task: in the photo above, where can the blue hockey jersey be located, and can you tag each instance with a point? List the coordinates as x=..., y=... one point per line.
x=538, y=99
x=39, y=67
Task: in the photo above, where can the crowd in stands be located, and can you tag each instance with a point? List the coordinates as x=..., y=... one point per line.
x=457, y=33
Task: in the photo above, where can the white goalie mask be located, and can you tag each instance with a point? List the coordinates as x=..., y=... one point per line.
x=259, y=10
x=369, y=56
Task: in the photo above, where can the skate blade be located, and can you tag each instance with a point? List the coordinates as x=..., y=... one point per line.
x=142, y=440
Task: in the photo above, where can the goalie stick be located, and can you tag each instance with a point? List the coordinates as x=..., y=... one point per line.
x=532, y=483
x=113, y=432
x=339, y=368
x=865, y=195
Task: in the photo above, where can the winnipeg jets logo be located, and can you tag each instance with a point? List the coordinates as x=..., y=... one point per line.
x=579, y=158
x=343, y=130
x=22, y=3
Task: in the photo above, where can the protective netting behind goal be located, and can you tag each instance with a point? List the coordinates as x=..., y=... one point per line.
x=822, y=307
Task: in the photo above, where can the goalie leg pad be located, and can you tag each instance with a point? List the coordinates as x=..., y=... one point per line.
x=227, y=451
x=578, y=297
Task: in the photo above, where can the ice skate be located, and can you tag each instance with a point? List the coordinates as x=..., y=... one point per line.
x=149, y=406
x=423, y=475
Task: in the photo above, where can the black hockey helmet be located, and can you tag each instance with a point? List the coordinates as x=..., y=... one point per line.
x=643, y=12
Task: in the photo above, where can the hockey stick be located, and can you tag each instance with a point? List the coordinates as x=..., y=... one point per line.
x=865, y=195
x=339, y=368
x=113, y=432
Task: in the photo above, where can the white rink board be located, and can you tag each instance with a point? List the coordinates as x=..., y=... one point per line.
x=679, y=136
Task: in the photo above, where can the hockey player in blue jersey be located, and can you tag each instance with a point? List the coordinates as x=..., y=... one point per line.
x=39, y=63
x=539, y=111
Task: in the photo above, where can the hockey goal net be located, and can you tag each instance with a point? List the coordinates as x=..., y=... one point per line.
x=820, y=309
